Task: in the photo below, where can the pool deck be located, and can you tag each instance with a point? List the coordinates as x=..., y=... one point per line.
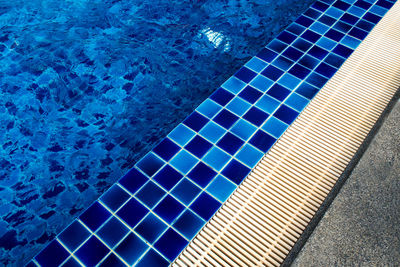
x=361, y=226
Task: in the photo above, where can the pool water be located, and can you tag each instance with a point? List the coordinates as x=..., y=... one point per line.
x=88, y=87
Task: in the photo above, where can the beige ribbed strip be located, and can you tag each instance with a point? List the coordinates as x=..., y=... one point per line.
x=265, y=216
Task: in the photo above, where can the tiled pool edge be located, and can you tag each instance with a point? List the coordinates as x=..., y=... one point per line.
x=242, y=104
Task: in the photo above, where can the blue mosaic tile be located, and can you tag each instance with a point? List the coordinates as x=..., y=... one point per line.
x=188, y=224
x=203, y=160
x=74, y=235
x=112, y=232
x=151, y=228
x=114, y=197
x=150, y=194
x=71, y=262
x=202, y=174
x=186, y=191
x=168, y=209
x=171, y=244
x=221, y=188
x=131, y=248
x=91, y=252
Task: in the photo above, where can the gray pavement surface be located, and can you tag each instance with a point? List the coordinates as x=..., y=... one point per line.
x=362, y=225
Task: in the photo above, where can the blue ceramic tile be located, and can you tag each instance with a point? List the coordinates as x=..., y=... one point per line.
x=299, y=71
x=183, y=161
x=212, y=132
x=363, y=4
x=334, y=12
x=277, y=46
x=243, y=129
x=334, y=60
x=166, y=149
x=94, y=216
x=181, y=134
x=286, y=114
x=349, y=18
x=304, y=21
x=342, y=27
x=343, y=51
x=256, y=116
x=311, y=36
x=234, y=85
x=114, y=197
x=171, y=244
x=302, y=44
x=74, y=235
x=296, y=28
x=358, y=12
x=320, y=6
x=167, y=177
x=289, y=81
x=261, y=83
x=168, y=209
x=267, y=55
x=71, y=262
x=256, y=64
x=195, y=121
x=249, y=155
x=53, y=255
x=205, y=206
x=296, y=102
x=133, y=180
x=334, y=35
x=112, y=232
x=222, y=96
x=385, y=4
x=275, y=127
x=351, y=42
x=230, y=143
x=278, y=92
x=326, y=70
x=319, y=28
x=111, y=260
x=226, y=118
x=262, y=141
x=250, y=94
x=245, y=74
x=380, y=11
x=293, y=53
x=365, y=25
x=283, y=63
x=236, y=171
x=150, y=164
x=150, y=228
x=131, y=248
x=341, y=5
x=209, y=108
x=318, y=52
x=357, y=33
x=286, y=37
x=186, y=191
x=326, y=43
x=267, y=103
x=221, y=188
x=327, y=20
x=150, y=194
x=132, y=218
x=317, y=80
x=309, y=61
x=238, y=106
x=152, y=258
x=216, y=158
x=202, y=174
x=312, y=13
x=188, y=224
x=92, y=252
x=198, y=146
x=272, y=73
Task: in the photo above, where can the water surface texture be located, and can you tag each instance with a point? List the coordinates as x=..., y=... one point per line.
x=88, y=87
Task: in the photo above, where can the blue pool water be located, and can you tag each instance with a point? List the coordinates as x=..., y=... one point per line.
x=88, y=87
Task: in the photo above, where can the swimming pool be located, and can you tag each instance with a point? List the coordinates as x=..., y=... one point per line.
x=87, y=88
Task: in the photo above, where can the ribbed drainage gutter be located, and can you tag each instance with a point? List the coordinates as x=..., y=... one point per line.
x=263, y=219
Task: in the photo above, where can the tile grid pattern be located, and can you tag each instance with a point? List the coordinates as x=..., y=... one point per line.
x=152, y=213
